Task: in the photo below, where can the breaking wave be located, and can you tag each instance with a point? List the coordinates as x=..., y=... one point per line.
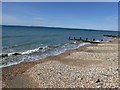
x=9, y=59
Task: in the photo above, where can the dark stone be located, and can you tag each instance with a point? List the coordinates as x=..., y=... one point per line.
x=41, y=48
x=4, y=55
x=16, y=54
x=60, y=73
x=81, y=78
x=98, y=80
x=39, y=73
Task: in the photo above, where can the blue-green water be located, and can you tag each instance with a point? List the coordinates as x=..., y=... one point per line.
x=34, y=43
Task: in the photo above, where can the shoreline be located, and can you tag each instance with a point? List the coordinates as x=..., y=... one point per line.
x=90, y=43
x=20, y=69
x=32, y=51
x=56, y=55
x=27, y=65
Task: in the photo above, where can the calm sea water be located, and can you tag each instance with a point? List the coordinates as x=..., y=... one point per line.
x=23, y=44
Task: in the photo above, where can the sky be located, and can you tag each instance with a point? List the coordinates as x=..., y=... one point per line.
x=87, y=15
x=60, y=0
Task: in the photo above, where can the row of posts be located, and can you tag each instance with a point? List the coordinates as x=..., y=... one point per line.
x=81, y=39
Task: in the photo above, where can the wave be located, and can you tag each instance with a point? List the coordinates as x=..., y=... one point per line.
x=47, y=50
x=56, y=49
x=24, y=52
x=37, y=53
x=10, y=64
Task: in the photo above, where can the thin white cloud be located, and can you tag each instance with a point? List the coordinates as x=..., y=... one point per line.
x=38, y=18
x=13, y=20
x=113, y=18
x=113, y=21
x=9, y=19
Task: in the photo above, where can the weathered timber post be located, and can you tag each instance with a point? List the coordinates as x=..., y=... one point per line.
x=101, y=39
x=80, y=38
x=86, y=38
x=69, y=37
x=74, y=38
x=93, y=39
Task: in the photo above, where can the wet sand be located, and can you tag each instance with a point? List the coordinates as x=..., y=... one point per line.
x=86, y=67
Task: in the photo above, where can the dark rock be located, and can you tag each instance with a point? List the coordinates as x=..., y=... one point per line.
x=98, y=80
x=81, y=78
x=117, y=69
x=4, y=55
x=39, y=73
x=16, y=54
x=41, y=48
x=60, y=73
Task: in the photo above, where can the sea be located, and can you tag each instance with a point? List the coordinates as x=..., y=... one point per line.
x=30, y=43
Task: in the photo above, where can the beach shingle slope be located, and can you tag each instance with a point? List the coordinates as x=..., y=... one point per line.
x=95, y=67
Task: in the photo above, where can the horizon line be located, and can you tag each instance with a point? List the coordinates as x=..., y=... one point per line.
x=60, y=27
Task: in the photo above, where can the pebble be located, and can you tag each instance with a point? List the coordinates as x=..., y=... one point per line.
x=59, y=75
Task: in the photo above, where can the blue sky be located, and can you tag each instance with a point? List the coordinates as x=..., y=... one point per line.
x=99, y=15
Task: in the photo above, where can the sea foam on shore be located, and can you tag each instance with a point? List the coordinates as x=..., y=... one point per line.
x=37, y=53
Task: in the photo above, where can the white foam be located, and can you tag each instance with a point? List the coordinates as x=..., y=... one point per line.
x=97, y=41
x=52, y=52
x=30, y=51
x=10, y=54
x=26, y=52
x=10, y=64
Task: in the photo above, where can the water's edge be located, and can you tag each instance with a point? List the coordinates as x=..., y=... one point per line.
x=34, y=51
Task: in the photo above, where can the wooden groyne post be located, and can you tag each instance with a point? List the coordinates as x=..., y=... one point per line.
x=74, y=38
x=93, y=39
x=86, y=38
x=69, y=38
x=80, y=38
x=101, y=39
